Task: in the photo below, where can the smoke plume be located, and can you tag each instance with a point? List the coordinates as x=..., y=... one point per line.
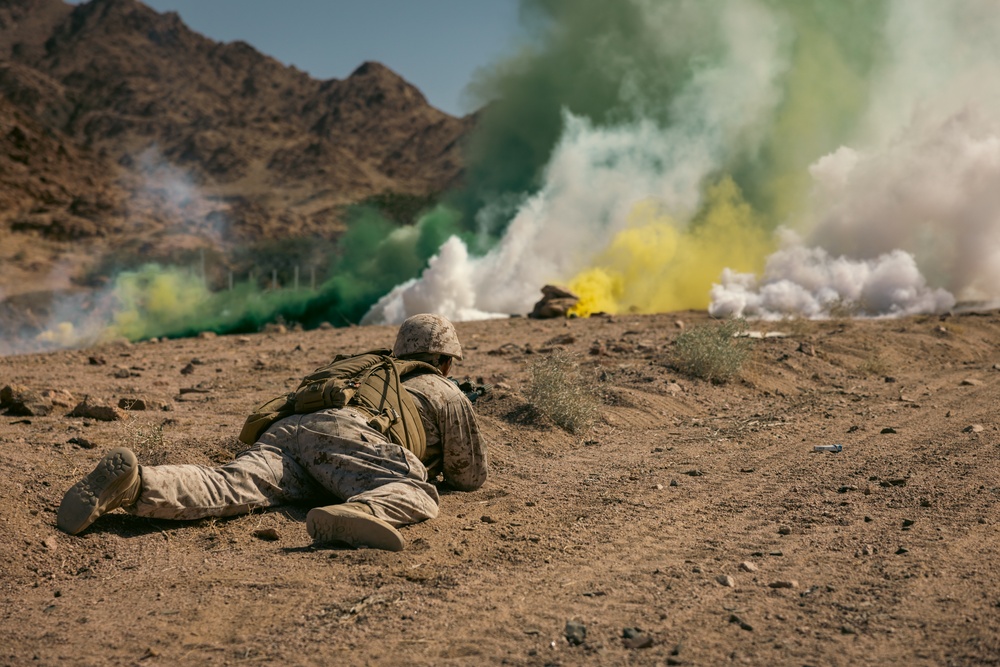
x=645, y=154
x=762, y=158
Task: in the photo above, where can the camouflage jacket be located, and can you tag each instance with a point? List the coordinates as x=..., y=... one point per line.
x=455, y=446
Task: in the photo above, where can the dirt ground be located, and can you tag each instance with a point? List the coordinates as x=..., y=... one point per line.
x=693, y=524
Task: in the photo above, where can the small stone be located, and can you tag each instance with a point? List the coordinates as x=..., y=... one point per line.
x=89, y=410
x=267, y=534
x=694, y=473
x=575, y=632
x=747, y=566
x=785, y=583
x=50, y=543
x=726, y=580
x=925, y=502
x=902, y=550
x=634, y=638
x=187, y=370
x=658, y=487
x=82, y=442
x=733, y=618
x=846, y=488
x=673, y=482
x=784, y=530
x=58, y=397
x=908, y=522
x=973, y=428
x=487, y=519
x=867, y=550
x=970, y=382
x=888, y=429
x=121, y=372
x=20, y=401
x=96, y=360
x=132, y=404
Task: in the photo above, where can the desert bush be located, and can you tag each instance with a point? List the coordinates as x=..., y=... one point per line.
x=874, y=363
x=713, y=352
x=145, y=439
x=558, y=389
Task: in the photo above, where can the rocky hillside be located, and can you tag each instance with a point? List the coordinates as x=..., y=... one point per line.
x=126, y=134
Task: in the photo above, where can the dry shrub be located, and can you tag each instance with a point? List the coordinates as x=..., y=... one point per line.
x=874, y=363
x=712, y=352
x=145, y=439
x=558, y=389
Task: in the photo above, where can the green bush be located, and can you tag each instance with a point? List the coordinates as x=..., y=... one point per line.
x=558, y=389
x=712, y=352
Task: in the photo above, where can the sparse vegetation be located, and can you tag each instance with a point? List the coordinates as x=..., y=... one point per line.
x=558, y=389
x=713, y=352
x=874, y=364
x=145, y=439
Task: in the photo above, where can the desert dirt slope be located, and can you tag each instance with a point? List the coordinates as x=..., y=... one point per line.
x=887, y=549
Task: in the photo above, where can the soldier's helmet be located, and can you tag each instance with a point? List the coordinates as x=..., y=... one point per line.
x=427, y=334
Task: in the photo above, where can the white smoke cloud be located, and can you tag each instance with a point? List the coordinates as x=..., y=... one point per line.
x=932, y=193
x=809, y=282
x=915, y=199
x=172, y=192
x=597, y=174
x=446, y=288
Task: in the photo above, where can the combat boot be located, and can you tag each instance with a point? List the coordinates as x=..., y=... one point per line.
x=353, y=524
x=113, y=483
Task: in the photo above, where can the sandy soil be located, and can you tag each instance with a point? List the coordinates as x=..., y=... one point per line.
x=888, y=549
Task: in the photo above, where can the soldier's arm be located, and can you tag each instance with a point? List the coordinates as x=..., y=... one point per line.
x=462, y=445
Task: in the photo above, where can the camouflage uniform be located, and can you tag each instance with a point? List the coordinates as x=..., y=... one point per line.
x=307, y=458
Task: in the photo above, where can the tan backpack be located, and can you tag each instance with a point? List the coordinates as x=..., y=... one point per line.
x=371, y=381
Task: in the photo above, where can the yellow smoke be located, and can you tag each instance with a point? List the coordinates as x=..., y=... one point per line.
x=150, y=299
x=656, y=266
x=63, y=334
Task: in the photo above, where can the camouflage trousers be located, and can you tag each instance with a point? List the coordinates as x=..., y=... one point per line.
x=303, y=458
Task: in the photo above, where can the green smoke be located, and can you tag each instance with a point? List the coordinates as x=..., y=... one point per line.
x=836, y=46
x=372, y=256
x=615, y=62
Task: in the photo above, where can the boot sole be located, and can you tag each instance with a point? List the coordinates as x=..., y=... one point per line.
x=356, y=531
x=90, y=497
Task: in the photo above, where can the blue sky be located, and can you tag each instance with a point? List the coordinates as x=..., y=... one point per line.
x=436, y=45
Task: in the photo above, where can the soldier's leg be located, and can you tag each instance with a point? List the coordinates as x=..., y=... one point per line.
x=358, y=465
x=262, y=476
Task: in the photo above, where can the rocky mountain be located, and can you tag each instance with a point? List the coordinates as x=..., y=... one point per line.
x=125, y=135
